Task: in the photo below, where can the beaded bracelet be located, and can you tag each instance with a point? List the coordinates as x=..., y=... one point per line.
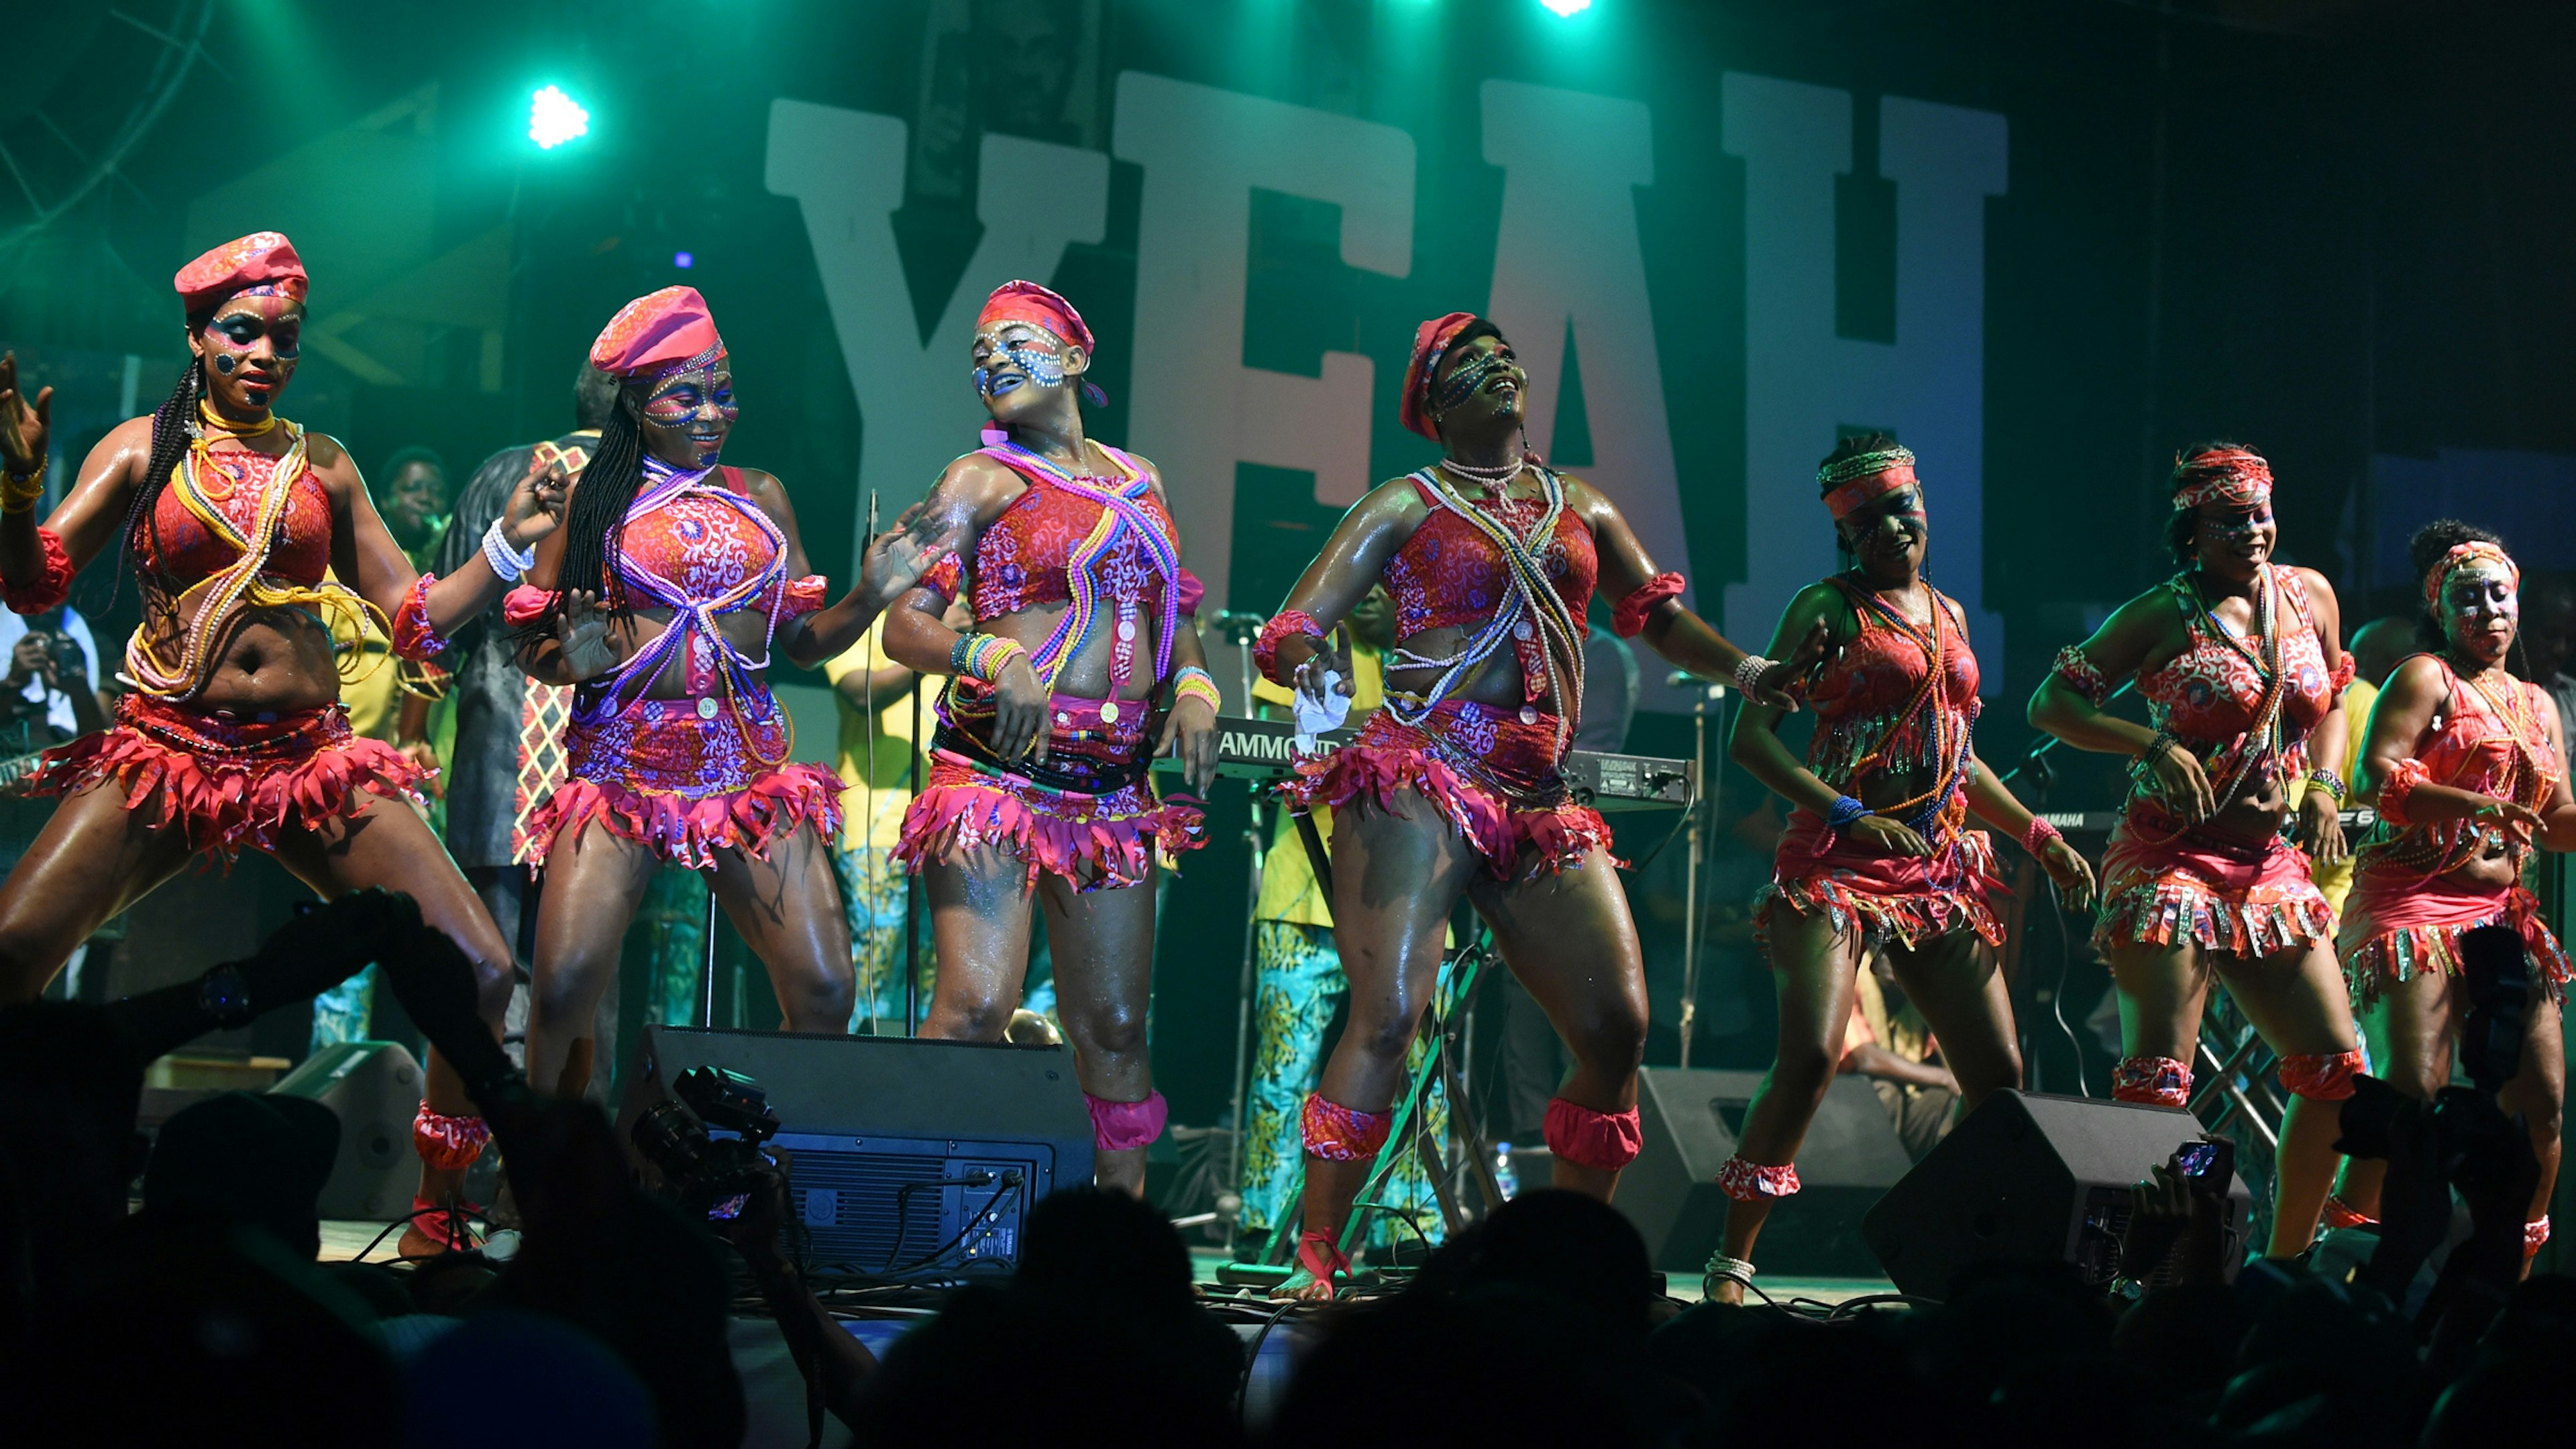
x=509, y=563
x=2328, y=781
x=20, y=492
x=1844, y=812
x=982, y=656
x=2143, y=769
x=1192, y=682
x=1749, y=671
x=2038, y=836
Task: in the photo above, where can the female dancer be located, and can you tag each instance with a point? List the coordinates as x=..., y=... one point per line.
x=1037, y=779
x=671, y=571
x=1877, y=852
x=2463, y=759
x=2243, y=674
x=234, y=735
x=1491, y=557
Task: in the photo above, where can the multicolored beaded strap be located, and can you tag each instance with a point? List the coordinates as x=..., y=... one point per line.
x=1532, y=602
x=245, y=581
x=691, y=615
x=1122, y=519
x=1933, y=816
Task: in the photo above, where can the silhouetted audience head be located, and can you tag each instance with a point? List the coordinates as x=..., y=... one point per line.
x=507, y=1380
x=263, y=1159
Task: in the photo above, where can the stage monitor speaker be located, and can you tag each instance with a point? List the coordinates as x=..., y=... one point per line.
x=374, y=1087
x=903, y=1155
x=1690, y=1120
x=2034, y=1178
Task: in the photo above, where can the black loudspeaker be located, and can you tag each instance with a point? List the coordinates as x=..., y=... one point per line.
x=2034, y=1178
x=1690, y=1120
x=903, y=1155
x=375, y=1088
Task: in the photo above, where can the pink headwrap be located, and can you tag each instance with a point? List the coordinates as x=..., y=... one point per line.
x=263, y=263
x=665, y=331
x=1430, y=341
x=1028, y=302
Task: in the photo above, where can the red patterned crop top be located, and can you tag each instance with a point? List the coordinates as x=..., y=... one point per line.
x=2211, y=692
x=1449, y=576
x=1869, y=700
x=235, y=484
x=1021, y=559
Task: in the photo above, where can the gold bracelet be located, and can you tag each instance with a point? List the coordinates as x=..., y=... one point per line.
x=18, y=493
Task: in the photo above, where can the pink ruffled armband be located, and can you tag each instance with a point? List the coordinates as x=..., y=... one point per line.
x=1286, y=624
x=525, y=605
x=52, y=583
x=1190, y=595
x=415, y=638
x=2401, y=782
x=1629, y=619
x=804, y=596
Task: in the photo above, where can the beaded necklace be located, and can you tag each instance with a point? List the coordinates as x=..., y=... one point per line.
x=1531, y=602
x=1950, y=729
x=243, y=582
x=1122, y=519
x=692, y=615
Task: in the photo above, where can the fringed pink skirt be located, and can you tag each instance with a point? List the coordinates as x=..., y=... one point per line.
x=2399, y=924
x=2164, y=883
x=1902, y=900
x=686, y=779
x=1509, y=801
x=1103, y=840
x=225, y=783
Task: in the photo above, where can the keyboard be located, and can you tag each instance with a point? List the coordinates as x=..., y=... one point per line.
x=1263, y=749
x=2100, y=822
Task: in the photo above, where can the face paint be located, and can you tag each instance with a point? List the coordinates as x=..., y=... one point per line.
x=225, y=362
x=2480, y=600
x=2236, y=525
x=676, y=401
x=1042, y=366
x=1471, y=376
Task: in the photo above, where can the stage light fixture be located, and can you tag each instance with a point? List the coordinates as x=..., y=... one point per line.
x=684, y=260
x=554, y=118
x=1564, y=9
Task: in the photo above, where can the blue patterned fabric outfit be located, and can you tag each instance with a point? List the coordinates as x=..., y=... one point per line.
x=1298, y=988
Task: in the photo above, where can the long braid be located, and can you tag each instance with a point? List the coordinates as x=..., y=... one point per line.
x=595, y=524
x=170, y=440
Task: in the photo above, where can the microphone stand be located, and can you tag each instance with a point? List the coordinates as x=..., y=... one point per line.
x=1242, y=629
x=1702, y=801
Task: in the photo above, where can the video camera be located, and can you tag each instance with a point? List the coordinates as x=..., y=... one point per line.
x=2498, y=973
x=707, y=1176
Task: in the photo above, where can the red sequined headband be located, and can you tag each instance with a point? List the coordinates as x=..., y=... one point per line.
x=2460, y=556
x=2233, y=476
x=1855, y=481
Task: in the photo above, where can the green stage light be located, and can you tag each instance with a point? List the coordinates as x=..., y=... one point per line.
x=1565, y=9
x=554, y=118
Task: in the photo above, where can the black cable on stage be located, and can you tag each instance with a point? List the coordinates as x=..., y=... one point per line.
x=2057, y=993
x=1252, y=1356
x=1010, y=1183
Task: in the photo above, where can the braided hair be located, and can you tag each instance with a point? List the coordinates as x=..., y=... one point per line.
x=594, y=525
x=172, y=434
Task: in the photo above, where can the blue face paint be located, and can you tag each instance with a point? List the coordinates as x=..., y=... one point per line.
x=1044, y=368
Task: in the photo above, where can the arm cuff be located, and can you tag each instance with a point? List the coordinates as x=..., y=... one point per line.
x=414, y=637
x=1629, y=619
x=52, y=583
